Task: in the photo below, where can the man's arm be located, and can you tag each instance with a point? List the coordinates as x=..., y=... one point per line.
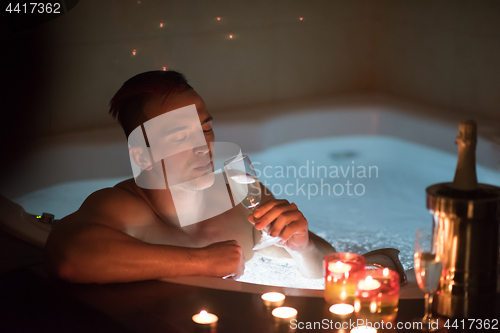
x=88, y=246
x=283, y=219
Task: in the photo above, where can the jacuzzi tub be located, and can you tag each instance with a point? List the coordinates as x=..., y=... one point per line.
x=409, y=152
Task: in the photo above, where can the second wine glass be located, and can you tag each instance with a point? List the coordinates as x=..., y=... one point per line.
x=245, y=187
x=428, y=264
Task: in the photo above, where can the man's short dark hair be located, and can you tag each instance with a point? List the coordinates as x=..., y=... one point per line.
x=127, y=104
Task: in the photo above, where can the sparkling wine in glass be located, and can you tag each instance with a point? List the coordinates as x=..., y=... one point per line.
x=428, y=264
x=246, y=189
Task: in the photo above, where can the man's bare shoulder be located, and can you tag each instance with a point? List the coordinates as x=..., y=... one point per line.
x=117, y=206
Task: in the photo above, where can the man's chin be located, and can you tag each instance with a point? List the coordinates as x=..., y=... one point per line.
x=200, y=183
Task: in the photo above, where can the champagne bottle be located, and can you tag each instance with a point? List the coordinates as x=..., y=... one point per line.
x=465, y=174
x=467, y=216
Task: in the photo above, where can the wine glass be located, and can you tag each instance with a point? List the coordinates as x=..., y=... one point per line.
x=246, y=189
x=428, y=264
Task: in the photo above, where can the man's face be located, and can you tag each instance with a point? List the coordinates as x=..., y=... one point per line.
x=181, y=138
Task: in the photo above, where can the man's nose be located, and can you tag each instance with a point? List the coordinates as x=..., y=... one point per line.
x=201, y=150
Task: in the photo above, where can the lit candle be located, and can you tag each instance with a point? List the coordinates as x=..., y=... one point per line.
x=341, y=309
x=339, y=267
x=368, y=284
x=205, y=320
x=364, y=329
x=273, y=299
x=377, y=295
x=284, y=314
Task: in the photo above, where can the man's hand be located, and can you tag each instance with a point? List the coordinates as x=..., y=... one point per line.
x=223, y=259
x=283, y=219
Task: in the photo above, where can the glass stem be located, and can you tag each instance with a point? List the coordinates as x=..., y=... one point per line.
x=428, y=306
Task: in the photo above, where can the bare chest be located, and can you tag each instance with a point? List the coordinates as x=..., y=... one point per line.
x=230, y=225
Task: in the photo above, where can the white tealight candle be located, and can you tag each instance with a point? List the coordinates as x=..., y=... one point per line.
x=364, y=329
x=341, y=309
x=205, y=319
x=273, y=299
x=284, y=314
x=339, y=267
x=368, y=284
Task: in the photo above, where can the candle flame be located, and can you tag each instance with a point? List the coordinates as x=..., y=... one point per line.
x=363, y=328
x=368, y=279
x=357, y=306
x=385, y=271
x=205, y=318
x=341, y=309
x=273, y=296
x=338, y=264
x=284, y=312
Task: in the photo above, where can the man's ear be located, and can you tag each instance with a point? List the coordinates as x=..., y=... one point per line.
x=140, y=156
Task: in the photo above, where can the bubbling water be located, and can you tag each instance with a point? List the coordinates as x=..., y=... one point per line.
x=386, y=215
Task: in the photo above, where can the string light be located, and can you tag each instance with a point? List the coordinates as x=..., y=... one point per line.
x=230, y=36
x=301, y=18
x=164, y=68
x=161, y=25
x=133, y=52
x=218, y=19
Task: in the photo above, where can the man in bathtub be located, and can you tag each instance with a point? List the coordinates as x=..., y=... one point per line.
x=175, y=217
